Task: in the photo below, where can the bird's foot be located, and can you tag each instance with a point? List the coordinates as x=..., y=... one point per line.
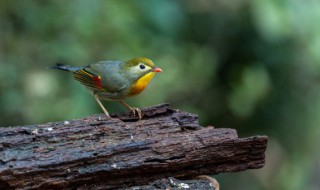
x=108, y=116
x=136, y=111
x=102, y=107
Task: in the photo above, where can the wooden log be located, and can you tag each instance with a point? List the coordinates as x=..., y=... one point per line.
x=100, y=153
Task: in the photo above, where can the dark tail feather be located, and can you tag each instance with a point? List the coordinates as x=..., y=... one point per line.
x=65, y=67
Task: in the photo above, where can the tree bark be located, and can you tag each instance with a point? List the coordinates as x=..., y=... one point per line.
x=100, y=153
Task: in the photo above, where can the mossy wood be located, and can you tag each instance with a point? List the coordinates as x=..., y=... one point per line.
x=98, y=153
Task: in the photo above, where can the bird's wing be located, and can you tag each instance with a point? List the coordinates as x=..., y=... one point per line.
x=112, y=78
x=88, y=79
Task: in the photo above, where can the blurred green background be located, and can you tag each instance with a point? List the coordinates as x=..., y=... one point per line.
x=249, y=65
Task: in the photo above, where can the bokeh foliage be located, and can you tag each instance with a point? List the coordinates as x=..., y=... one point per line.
x=249, y=65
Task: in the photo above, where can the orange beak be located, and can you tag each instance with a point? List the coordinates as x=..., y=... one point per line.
x=157, y=70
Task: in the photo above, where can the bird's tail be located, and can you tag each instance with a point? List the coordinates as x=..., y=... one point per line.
x=65, y=67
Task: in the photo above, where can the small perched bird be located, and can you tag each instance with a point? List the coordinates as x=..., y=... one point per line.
x=114, y=80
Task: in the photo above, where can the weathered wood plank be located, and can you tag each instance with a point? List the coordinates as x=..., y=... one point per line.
x=121, y=152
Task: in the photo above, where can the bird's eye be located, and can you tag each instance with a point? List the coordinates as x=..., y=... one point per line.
x=142, y=66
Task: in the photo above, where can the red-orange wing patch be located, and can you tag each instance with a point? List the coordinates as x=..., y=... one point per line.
x=88, y=79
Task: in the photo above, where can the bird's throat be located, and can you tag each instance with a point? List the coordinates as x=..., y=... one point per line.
x=141, y=84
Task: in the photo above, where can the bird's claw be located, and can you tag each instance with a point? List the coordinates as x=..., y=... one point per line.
x=138, y=111
x=108, y=117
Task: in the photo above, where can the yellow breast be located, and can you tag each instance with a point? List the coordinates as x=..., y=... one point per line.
x=141, y=84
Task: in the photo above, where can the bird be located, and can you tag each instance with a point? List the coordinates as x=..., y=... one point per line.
x=114, y=80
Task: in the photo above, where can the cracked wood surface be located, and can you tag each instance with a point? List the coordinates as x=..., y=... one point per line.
x=99, y=153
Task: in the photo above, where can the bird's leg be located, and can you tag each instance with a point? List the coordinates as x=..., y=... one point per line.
x=134, y=110
x=102, y=107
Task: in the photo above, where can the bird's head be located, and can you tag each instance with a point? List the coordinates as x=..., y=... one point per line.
x=140, y=67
